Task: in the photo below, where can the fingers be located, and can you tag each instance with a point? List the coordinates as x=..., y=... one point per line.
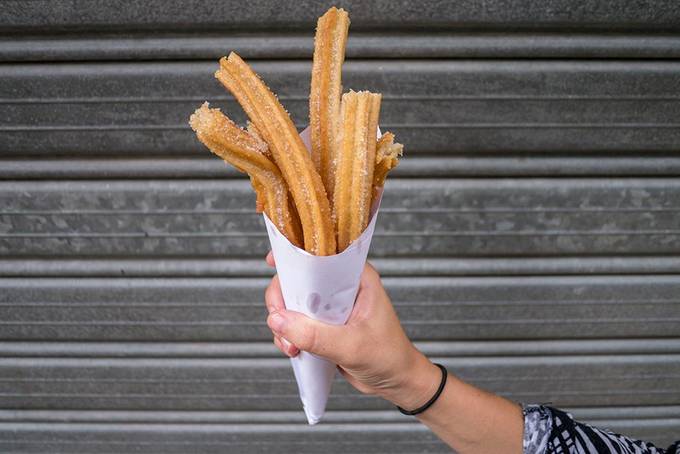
x=293, y=331
x=329, y=341
x=286, y=347
x=270, y=259
x=273, y=298
x=370, y=286
x=372, y=299
x=274, y=301
x=369, y=276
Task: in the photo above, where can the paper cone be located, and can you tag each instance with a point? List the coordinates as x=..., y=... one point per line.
x=323, y=288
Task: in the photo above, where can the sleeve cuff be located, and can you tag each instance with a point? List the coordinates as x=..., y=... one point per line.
x=537, y=428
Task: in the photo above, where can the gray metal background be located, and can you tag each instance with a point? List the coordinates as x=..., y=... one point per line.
x=530, y=239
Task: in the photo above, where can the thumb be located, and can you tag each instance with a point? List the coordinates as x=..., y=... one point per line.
x=310, y=335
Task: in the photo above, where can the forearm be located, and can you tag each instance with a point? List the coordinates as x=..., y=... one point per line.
x=466, y=418
x=474, y=421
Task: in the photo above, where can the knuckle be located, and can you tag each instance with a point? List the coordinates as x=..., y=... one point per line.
x=279, y=346
x=270, y=296
x=308, y=338
x=370, y=276
x=268, y=292
x=371, y=271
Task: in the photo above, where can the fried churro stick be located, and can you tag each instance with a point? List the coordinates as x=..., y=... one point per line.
x=260, y=195
x=250, y=127
x=326, y=92
x=290, y=154
x=356, y=162
x=386, y=158
x=246, y=153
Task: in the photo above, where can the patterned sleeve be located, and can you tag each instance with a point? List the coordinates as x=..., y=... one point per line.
x=548, y=430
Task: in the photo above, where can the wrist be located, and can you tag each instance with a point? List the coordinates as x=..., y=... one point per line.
x=417, y=385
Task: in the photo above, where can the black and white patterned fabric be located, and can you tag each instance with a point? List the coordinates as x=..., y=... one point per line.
x=548, y=430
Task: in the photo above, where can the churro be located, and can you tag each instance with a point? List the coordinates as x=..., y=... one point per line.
x=250, y=127
x=353, y=191
x=333, y=185
x=247, y=154
x=326, y=92
x=288, y=151
x=386, y=158
x=260, y=196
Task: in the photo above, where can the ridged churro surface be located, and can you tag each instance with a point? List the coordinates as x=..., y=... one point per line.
x=386, y=158
x=326, y=91
x=320, y=199
x=248, y=154
x=290, y=154
x=353, y=191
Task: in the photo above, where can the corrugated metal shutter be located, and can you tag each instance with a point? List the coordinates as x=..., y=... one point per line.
x=530, y=240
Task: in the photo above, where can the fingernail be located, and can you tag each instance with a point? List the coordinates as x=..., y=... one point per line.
x=276, y=322
x=290, y=348
x=286, y=344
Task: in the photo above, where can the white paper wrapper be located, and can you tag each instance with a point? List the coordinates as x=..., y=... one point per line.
x=323, y=288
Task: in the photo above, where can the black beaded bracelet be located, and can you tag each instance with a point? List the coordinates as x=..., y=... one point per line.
x=429, y=403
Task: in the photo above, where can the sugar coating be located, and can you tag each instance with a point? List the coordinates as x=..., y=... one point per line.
x=288, y=151
x=356, y=164
x=325, y=95
x=386, y=158
x=246, y=153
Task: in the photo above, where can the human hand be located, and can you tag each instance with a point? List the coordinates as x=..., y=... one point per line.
x=371, y=350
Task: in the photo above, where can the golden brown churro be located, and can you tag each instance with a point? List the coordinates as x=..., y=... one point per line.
x=332, y=187
x=326, y=92
x=356, y=162
x=386, y=158
x=290, y=154
x=246, y=153
x=250, y=127
x=260, y=196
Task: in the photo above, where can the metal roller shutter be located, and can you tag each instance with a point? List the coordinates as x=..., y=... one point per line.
x=530, y=240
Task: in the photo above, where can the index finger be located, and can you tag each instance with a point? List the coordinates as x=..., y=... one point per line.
x=270, y=259
x=273, y=297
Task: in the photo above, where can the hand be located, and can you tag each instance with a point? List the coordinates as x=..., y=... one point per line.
x=372, y=351
x=375, y=356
